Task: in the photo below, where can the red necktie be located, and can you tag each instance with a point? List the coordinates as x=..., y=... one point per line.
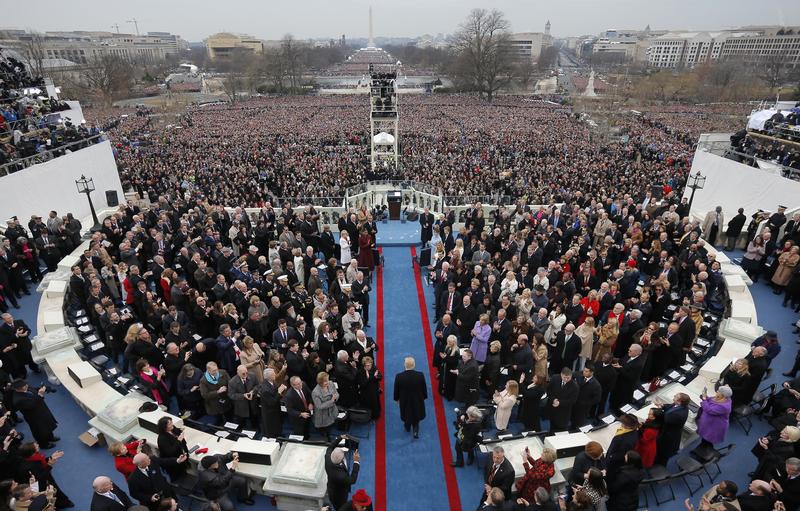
x=303, y=398
x=450, y=302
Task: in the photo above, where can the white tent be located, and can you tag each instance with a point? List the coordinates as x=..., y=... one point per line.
x=383, y=138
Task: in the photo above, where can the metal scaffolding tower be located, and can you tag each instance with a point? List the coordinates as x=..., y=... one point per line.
x=383, y=119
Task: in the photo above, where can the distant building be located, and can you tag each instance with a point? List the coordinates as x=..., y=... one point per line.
x=755, y=45
x=529, y=45
x=625, y=45
x=81, y=47
x=223, y=44
x=773, y=43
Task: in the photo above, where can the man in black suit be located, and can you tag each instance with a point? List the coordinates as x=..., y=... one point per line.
x=340, y=479
x=426, y=226
x=669, y=436
x=360, y=290
x=298, y=406
x=606, y=375
x=567, y=349
x=674, y=343
x=501, y=331
x=282, y=336
x=36, y=412
x=589, y=393
x=217, y=482
x=16, y=346
x=787, y=485
x=465, y=317
x=174, y=316
x=758, y=497
x=48, y=250
x=327, y=243
x=78, y=286
x=628, y=377
x=687, y=328
x=147, y=483
x=444, y=329
x=467, y=379
x=270, y=394
x=108, y=496
x=735, y=226
x=497, y=474
x=448, y=300
x=410, y=391
x=562, y=393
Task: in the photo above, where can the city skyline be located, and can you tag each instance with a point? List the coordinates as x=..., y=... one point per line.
x=332, y=19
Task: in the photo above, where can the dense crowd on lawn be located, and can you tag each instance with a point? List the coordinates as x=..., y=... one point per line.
x=302, y=147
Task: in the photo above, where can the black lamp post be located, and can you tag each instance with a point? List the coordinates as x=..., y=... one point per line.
x=695, y=182
x=87, y=186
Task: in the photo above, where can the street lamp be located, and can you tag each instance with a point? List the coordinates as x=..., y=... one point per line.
x=695, y=182
x=87, y=186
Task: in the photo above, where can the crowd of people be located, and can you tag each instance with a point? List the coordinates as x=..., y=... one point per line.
x=223, y=317
x=274, y=330
x=30, y=123
x=777, y=151
x=316, y=147
x=583, y=304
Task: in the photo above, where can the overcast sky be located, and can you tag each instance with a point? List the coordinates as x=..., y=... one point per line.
x=271, y=19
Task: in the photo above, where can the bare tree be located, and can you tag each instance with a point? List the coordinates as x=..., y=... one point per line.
x=547, y=58
x=108, y=77
x=273, y=68
x=33, y=49
x=481, y=43
x=773, y=69
x=293, y=52
x=237, y=67
x=524, y=72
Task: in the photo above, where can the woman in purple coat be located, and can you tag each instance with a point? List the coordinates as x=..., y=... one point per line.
x=713, y=417
x=480, y=338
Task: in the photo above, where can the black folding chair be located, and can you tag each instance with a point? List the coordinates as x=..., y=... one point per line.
x=359, y=416
x=690, y=467
x=658, y=476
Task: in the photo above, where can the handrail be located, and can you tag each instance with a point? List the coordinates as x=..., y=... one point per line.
x=29, y=161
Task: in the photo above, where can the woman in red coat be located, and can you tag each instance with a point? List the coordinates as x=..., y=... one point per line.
x=123, y=456
x=591, y=307
x=365, y=246
x=648, y=434
x=537, y=473
x=165, y=285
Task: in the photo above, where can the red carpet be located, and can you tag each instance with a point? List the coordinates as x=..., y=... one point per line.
x=438, y=406
x=380, y=424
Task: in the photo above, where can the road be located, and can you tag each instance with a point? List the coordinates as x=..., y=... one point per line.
x=569, y=65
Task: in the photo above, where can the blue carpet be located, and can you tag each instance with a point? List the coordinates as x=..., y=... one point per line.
x=414, y=467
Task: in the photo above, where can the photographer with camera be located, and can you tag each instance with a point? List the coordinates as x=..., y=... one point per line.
x=340, y=478
x=216, y=481
x=468, y=429
x=36, y=413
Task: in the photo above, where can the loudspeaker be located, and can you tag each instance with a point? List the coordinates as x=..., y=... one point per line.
x=111, y=198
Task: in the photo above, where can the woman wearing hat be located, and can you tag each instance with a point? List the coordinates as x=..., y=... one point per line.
x=713, y=417
x=360, y=502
